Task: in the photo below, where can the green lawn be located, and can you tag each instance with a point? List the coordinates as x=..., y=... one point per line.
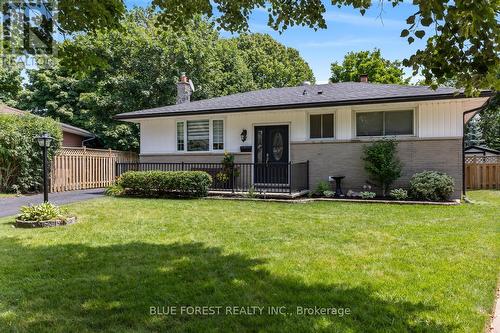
x=7, y=195
x=397, y=268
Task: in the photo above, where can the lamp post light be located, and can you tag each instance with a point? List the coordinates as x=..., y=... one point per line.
x=44, y=141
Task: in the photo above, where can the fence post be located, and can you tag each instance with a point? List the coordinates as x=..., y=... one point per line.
x=307, y=175
x=182, y=166
x=232, y=178
x=291, y=177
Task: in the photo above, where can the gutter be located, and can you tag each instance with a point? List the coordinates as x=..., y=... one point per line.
x=125, y=116
x=477, y=110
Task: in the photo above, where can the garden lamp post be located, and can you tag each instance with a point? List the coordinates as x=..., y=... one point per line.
x=44, y=141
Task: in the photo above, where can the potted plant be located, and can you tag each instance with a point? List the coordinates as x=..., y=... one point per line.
x=229, y=171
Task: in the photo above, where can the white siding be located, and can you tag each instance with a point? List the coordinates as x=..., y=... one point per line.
x=158, y=136
x=434, y=119
x=444, y=118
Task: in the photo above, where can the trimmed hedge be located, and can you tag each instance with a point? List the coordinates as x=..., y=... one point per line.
x=431, y=186
x=165, y=183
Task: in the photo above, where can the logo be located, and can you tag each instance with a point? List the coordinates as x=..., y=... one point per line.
x=27, y=31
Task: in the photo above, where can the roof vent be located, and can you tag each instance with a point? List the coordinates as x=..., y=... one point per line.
x=320, y=92
x=306, y=83
x=305, y=92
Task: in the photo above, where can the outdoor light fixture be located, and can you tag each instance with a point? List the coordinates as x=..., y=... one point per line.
x=244, y=135
x=44, y=141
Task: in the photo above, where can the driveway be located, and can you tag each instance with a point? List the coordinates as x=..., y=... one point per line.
x=10, y=206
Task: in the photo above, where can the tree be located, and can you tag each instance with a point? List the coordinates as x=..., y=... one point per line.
x=108, y=72
x=10, y=84
x=372, y=64
x=489, y=123
x=272, y=64
x=473, y=133
x=381, y=163
x=463, y=42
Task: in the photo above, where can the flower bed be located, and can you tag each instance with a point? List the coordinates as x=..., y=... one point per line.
x=42, y=216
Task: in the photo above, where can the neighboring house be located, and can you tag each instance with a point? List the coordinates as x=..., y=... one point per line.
x=326, y=124
x=72, y=136
x=480, y=151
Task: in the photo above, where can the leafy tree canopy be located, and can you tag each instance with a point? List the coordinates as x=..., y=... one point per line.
x=10, y=84
x=463, y=41
x=112, y=71
x=489, y=123
x=462, y=44
x=372, y=64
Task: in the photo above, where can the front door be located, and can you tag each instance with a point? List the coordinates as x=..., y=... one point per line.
x=271, y=154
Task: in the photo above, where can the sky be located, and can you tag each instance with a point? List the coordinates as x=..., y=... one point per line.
x=347, y=31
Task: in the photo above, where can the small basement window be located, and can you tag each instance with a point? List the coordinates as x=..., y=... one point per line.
x=383, y=123
x=321, y=126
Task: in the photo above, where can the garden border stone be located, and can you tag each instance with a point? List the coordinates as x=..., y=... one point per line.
x=45, y=224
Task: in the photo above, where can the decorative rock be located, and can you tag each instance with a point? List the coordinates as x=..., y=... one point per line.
x=45, y=224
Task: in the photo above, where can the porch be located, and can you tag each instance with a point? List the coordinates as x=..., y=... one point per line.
x=270, y=179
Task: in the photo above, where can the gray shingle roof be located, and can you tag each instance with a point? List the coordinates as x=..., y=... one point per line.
x=346, y=93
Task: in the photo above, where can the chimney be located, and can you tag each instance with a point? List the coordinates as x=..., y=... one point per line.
x=363, y=78
x=184, y=89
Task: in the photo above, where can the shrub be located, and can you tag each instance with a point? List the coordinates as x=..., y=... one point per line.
x=399, y=194
x=321, y=187
x=432, y=186
x=114, y=190
x=20, y=155
x=329, y=194
x=381, y=163
x=42, y=212
x=166, y=183
x=367, y=195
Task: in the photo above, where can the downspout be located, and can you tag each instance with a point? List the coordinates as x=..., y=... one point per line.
x=86, y=140
x=477, y=110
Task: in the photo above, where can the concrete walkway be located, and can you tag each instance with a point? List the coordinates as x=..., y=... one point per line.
x=10, y=206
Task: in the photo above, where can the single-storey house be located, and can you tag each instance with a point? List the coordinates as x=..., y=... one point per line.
x=325, y=124
x=72, y=136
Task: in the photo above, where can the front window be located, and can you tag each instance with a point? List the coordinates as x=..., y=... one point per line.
x=198, y=135
x=321, y=126
x=218, y=135
x=384, y=123
x=180, y=135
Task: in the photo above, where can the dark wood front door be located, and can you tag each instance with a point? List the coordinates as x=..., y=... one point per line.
x=271, y=154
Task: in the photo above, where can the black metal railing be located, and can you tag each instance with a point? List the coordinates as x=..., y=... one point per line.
x=239, y=177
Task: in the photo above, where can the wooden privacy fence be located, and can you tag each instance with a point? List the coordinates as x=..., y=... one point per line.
x=482, y=172
x=75, y=168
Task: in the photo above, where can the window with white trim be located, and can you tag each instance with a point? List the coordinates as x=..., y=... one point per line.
x=321, y=126
x=218, y=134
x=180, y=135
x=382, y=123
x=200, y=135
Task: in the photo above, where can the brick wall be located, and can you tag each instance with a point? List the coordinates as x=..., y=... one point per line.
x=344, y=159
